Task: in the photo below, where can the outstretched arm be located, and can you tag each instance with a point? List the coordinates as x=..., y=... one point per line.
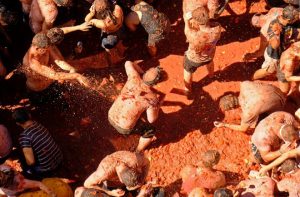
x=82, y=27
x=91, y=14
x=241, y=127
x=57, y=57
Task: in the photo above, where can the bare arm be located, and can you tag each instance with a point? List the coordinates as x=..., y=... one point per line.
x=91, y=14
x=59, y=60
x=29, y=156
x=49, y=12
x=274, y=42
x=152, y=114
x=28, y=184
x=132, y=69
x=82, y=27
x=270, y=156
x=291, y=154
x=242, y=127
x=98, y=23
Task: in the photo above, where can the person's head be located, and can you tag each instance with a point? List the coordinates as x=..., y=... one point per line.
x=104, y=10
x=211, y=158
x=7, y=17
x=228, y=102
x=6, y=178
x=289, y=15
x=199, y=17
x=40, y=43
x=21, y=116
x=55, y=35
x=255, y=20
x=288, y=166
x=152, y=76
x=87, y=192
x=63, y=3
x=128, y=176
x=198, y=192
x=289, y=133
x=223, y=192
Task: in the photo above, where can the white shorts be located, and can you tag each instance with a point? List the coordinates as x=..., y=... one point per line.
x=270, y=64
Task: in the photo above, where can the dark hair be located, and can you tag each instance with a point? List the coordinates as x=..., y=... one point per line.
x=41, y=40
x=7, y=15
x=290, y=13
x=211, y=158
x=21, y=115
x=223, y=192
x=105, y=9
x=6, y=178
x=228, y=102
x=201, y=15
x=63, y=2
x=289, y=133
x=129, y=177
x=152, y=76
x=55, y=35
x=288, y=165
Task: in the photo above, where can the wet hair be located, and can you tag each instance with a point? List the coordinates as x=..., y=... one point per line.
x=55, y=35
x=290, y=13
x=21, y=115
x=288, y=166
x=6, y=178
x=129, y=177
x=152, y=76
x=289, y=133
x=41, y=40
x=211, y=158
x=105, y=9
x=63, y=2
x=201, y=15
x=223, y=192
x=228, y=102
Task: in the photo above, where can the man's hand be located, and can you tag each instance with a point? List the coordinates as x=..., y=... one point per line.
x=85, y=26
x=116, y=192
x=219, y=124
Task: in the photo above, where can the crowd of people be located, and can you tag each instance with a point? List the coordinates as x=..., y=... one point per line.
x=274, y=142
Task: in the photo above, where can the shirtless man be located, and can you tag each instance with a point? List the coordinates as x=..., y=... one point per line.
x=261, y=187
x=278, y=36
x=273, y=136
x=109, y=18
x=213, y=6
x=205, y=176
x=202, y=37
x=116, y=170
x=136, y=97
x=13, y=183
x=255, y=98
x=289, y=66
x=37, y=61
x=156, y=24
x=43, y=13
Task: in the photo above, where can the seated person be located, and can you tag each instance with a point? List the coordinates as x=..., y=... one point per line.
x=13, y=183
x=37, y=65
x=109, y=18
x=137, y=97
x=43, y=13
x=156, y=24
x=205, y=176
x=260, y=187
x=42, y=154
x=255, y=99
x=5, y=145
x=273, y=136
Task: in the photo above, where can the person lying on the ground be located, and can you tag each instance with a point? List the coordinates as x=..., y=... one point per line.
x=202, y=36
x=213, y=6
x=109, y=18
x=59, y=187
x=255, y=99
x=273, y=136
x=42, y=154
x=37, y=65
x=260, y=187
x=43, y=13
x=155, y=23
x=289, y=68
x=121, y=168
x=278, y=33
x=204, y=176
x=13, y=183
x=5, y=145
x=136, y=98
x=290, y=184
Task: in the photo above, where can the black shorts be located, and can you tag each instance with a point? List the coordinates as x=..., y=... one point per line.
x=191, y=66
x=256, y=154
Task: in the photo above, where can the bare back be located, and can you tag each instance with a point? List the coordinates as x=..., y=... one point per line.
x=290, y=59
x=135, y=98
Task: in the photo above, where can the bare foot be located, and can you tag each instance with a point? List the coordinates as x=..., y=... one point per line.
x=144, y=142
